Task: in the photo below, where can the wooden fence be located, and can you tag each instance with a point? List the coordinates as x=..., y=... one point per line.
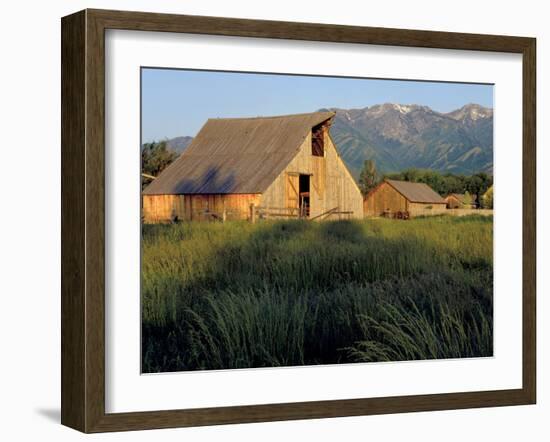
x=428, y=212
x=295, y=213
x=464, y=212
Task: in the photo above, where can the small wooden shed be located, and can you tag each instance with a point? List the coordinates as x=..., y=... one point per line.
x=403, y=198
x=459, y=201
x=285, y=165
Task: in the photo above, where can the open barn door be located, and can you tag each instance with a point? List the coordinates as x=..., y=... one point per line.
x=304, y=191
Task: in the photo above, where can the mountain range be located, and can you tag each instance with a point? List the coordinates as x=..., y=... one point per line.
x=179, y=144
x=398, y=136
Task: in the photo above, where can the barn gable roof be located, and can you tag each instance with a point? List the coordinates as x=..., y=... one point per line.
x=416, y=192
x=460, y=197
x=237, y=155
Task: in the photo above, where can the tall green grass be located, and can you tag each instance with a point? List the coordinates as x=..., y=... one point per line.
x=240, y=295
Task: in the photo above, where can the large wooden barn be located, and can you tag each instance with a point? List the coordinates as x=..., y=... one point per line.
x=281, y=166
x=403, y=199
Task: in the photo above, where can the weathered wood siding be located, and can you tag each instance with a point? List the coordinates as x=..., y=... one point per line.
x=331, y=184
x=426, y=209
x=292, y=197
x=164, y=208
x=382, y=198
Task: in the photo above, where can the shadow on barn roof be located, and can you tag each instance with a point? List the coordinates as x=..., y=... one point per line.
x=237, y=155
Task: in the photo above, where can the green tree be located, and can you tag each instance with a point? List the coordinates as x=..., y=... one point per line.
x=478, y=184
x=487, y=199
x=467, y=201
x=155, y=157
x=368, y=178
x=412, y=175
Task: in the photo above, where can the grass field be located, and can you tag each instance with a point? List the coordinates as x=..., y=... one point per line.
x=279, y=293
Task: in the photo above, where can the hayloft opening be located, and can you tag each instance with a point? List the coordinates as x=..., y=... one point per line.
x=318, y=140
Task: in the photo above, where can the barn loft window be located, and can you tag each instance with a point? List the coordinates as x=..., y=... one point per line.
x=318, y=140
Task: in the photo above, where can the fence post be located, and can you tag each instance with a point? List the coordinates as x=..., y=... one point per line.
x=224, y=213
x=252, y=213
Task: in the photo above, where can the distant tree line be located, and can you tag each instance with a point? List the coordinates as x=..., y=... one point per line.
x=155, y=157
x=443, y=183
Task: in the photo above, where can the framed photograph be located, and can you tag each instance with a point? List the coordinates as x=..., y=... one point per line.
x=268, y=221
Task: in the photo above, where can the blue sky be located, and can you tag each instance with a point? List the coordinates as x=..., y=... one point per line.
x=178, y=102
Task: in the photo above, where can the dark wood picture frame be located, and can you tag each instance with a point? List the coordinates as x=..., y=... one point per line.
x=83, y=216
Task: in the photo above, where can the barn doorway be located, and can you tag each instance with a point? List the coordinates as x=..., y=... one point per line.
x=303, y=191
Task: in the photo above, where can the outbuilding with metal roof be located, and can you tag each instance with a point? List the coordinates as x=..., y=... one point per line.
x=405, y=199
